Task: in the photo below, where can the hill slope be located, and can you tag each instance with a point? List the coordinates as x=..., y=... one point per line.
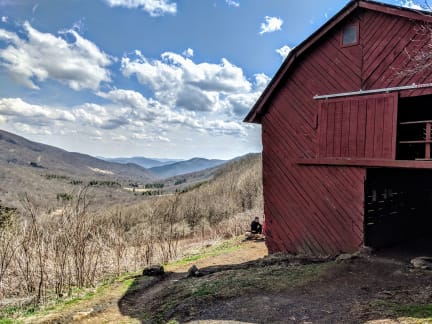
x=183, y=167
x=45, y=172
x=18, y=151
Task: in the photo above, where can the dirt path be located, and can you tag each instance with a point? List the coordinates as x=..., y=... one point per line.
x=105, y=309
x=271, y=290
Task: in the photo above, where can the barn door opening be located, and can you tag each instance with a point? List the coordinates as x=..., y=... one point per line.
x=398, y=209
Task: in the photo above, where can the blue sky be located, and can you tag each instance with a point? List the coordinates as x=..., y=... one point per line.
x=155, y=78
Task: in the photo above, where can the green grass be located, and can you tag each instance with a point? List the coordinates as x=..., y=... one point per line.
x=416, y=311
x=218, y=249
x=78, y=295
x=411, y=313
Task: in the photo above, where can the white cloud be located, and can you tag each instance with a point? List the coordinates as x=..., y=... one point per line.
x=178, y=82
x=33, y=130
x=188, y=53
x=38, y=56
x=4, y=19
x=153, y=7
x=271, y=25
x=22, y=112
x=284, y=51
x=261, y=81
x=232, y=3
x=411, y=4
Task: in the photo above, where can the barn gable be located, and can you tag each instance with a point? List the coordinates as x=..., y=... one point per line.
x=381, y=30
x=343, y=104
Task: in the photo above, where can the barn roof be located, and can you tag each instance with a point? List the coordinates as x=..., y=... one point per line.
x=260, y=107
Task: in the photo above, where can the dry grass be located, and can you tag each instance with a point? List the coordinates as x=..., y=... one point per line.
x=47, y=254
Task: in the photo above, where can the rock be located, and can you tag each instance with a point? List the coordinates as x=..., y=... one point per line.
x=364, y=251
x=423, y=262
x=194, y=272
x=154, y=270
x=345, y=257
x=79, y=316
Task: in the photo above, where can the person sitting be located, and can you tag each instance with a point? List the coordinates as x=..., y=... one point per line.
x=256, y=227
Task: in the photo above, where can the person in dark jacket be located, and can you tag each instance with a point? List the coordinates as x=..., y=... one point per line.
x=256, y=227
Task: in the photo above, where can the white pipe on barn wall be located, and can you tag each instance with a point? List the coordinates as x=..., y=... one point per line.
x=364, y=92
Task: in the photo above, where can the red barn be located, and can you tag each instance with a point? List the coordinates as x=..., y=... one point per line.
x=347, y=133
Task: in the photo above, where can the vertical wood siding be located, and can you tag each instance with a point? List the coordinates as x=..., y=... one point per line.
x=319, y=209
x=359, y=127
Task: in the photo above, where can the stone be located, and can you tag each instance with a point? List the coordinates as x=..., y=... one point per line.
x=154, y=270
x=194, y=272
x=79, y=316
x=346, y=257
x=422, y=262
x=365, y=251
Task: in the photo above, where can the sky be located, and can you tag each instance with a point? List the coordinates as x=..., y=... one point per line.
x=154, y=78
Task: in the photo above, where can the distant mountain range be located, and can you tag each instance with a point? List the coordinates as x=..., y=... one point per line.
x=183, y=167
x=142, y=161
x=16, y=150
x=45, y=171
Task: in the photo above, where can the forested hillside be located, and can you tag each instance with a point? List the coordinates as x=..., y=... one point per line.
x=46, y=253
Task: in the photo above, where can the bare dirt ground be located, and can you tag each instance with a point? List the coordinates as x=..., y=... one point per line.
x=237, y=289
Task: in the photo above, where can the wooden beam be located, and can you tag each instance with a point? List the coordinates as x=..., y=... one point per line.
x=412, y=164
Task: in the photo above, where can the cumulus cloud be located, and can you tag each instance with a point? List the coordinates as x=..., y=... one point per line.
x=22, y=112
x=188, y=53
x=127, y=115
x=177, y=81
x=411, y=4
x=95, y=115
x=181, y=96
x=270, y=25
x=232, y=3
x=284, y=51
x=153, y=7
x=4, y=19
x=38, y=56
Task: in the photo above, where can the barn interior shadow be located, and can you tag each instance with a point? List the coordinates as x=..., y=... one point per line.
x=398, y=212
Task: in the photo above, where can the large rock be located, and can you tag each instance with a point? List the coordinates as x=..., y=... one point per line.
x=423, y=262
x=194, y=272
x=154, y=270
x=346, y=257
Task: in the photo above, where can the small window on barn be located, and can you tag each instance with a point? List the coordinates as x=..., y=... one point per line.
x=350, y=35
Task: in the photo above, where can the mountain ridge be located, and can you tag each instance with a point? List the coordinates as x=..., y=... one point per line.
x=17, y=150
x=185, y=167
x=141, y=161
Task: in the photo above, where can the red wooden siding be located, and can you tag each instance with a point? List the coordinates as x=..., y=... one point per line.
x=319, y=208
x=389, y=44
x=359, y=127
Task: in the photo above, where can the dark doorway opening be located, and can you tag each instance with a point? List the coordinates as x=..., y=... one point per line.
x=398, y=209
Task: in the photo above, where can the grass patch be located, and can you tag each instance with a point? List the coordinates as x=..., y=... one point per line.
x=123, y=283
x=411, y=313
x=416, y=311
x=205, y=252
